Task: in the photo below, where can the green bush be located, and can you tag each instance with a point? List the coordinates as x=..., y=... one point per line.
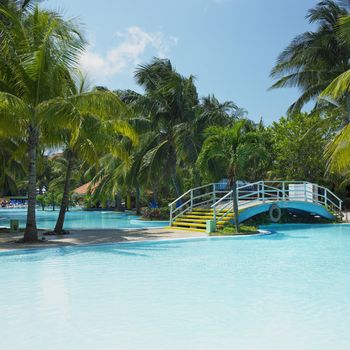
x=231, y=230
x=156, y=213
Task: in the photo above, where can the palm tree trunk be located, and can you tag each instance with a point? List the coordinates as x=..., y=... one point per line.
x=174, y=176
x=235, y=203
x=128, y=201
x=65, y=198
x=155, y=192
x=118, y=200
x=137, y=199
x=31, y=232
x=176, y=185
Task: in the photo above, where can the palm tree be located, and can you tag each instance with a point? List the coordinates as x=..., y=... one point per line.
x=338, y=150
x=176, y=120
x=169, y=102
x=39, y=49
x=229, y=151
x=315, y=58
x=21, y=6
x=214, y=112
x=95, y=123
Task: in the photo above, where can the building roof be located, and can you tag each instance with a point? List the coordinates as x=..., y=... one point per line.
x=87, y=188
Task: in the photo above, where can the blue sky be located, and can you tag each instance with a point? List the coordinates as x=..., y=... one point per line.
x=230, y=46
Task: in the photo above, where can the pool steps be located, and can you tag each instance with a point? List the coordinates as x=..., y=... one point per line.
x=197, y=220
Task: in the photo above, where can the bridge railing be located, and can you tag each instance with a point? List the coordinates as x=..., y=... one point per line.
x=301, y=191
x=273, y=191
x=220, y=198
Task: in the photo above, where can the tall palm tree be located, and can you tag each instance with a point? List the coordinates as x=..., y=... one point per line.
x=315, y=58
x=96, y=121
x=39, y=49
x=169, y=102
x=214, y=112
x=340, y=86
x=229, y=151
x=20, y=4
x=338, y=150
x=171, y=121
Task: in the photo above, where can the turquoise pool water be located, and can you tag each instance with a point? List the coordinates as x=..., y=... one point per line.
x=289, y=290
x=79, y=219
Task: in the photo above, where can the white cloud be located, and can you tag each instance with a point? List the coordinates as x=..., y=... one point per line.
x=128, y=52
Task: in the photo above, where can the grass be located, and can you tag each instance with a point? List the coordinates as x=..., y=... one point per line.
x=231, y=230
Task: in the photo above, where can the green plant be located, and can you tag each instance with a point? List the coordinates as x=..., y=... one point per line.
x=41, y=200
x=314, y=59
x=231, y=230
x=156, y=213
x=39, y=50
x=230, y=152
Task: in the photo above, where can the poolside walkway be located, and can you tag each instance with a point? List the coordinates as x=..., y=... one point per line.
x=86, y=237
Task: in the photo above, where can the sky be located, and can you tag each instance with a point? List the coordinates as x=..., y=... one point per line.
x=230, y=46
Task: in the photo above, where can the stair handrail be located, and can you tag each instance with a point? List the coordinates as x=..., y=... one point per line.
x=216, y=216
x=221, y=199
x=191, y=203
x=214, y=206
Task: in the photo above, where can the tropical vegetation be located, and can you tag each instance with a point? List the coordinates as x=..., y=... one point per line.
x=141, y=150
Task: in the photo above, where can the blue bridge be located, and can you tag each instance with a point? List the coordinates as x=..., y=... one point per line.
x=214, y=202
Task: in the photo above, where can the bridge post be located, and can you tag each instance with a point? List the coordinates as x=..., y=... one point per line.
x=171, y=215
x=214, y=193
x=191, y=199
x=263, y=191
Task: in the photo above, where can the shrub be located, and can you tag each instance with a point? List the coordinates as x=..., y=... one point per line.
x=156, y=213
x=231, y=230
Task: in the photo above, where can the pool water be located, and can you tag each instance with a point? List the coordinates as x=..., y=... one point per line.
x=288, y=290
x=79, y=219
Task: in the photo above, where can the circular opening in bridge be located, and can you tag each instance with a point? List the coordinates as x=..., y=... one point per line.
x=275, y=213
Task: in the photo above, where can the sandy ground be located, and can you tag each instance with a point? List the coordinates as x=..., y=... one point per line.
x=86, y=237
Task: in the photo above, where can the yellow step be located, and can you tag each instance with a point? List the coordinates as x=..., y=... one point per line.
x=202, y=227
x=204, y=217
x=185, y=229
x=221, y=222
x=198, y=216
x=190, y=224
x=184, y=219
x=210, y=210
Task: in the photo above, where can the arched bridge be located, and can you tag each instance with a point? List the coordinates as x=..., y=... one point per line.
x=214, y=202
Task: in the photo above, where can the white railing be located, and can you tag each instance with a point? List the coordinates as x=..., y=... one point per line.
x=273, y=191
x=196, y=197
x=218, y=197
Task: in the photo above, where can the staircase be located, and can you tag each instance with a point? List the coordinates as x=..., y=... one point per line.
x=194, y=208
x=196, y=219
x=191, y=211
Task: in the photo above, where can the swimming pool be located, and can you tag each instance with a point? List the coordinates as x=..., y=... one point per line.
x=288, y=290
x=79, y=219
